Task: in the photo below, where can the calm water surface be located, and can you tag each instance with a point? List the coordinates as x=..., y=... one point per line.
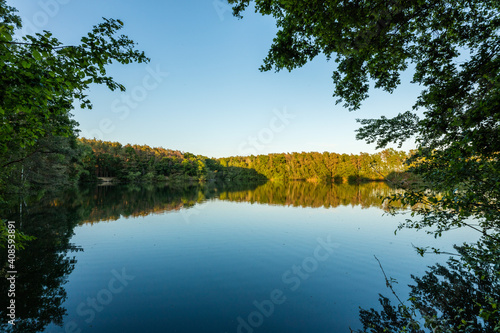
x=250, y=258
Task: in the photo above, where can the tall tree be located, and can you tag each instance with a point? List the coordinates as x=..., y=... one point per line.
x=453, y=50
x=41, y=78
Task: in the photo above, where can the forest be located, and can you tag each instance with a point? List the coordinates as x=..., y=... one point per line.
x=132, y=163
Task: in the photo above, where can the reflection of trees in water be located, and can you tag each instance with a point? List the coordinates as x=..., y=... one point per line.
x=104, y=203
x=307, y=194
x=43, y=266
x=461, y=296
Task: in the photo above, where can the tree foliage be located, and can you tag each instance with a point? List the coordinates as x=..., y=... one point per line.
x=326, y=166
x=144, y=163
x=141, y=162
x=452, y=48
x=461, y=296
x=42, y=78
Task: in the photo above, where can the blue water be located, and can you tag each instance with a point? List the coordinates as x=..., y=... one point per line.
x=228, y=265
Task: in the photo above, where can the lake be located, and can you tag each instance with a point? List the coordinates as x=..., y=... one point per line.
x=296, y=257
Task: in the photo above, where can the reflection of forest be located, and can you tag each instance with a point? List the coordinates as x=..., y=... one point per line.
x=43, y=266
x=47, y=261
x=106, y=203
x=306, y=194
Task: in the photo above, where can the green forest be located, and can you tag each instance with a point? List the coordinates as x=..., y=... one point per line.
x=43, y=80
x=131, y=163
x=61, y=162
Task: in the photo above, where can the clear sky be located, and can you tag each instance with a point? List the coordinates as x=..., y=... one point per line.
x=202, y=92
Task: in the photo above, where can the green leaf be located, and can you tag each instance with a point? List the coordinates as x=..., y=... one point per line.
x=36, y=55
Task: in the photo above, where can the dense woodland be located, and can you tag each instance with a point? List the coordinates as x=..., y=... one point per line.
x=143, y=163
x=60, y=162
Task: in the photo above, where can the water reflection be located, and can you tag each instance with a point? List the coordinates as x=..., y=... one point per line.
x=306, y=194
x=43, y=267
x=105, y=203
x=47, y=261
x=461, y=296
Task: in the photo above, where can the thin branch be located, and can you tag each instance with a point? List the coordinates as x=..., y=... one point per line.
x=33, y=153
x=435, y=251
x=404, y=307
x=36, y=44
x=481, y=231
x=387, y=283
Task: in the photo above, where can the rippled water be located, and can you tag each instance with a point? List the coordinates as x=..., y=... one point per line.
x=292, y=257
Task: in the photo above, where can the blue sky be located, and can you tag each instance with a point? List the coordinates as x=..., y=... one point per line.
x=202, y=92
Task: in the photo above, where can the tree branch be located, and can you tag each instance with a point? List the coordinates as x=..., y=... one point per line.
x=36, y=44
x=29, y=155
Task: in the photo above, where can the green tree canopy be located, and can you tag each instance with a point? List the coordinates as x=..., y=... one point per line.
x=453, y=49
x=41, y=78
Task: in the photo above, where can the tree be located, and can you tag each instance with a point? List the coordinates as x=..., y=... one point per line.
x=41, y=78
x=453, y=49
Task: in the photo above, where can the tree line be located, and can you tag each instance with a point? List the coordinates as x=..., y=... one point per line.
x=326, y=166
x=131, y=163
x=142, y=163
